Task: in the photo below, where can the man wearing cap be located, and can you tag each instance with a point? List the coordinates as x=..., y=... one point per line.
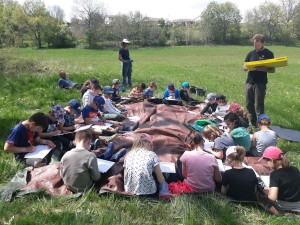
x=185, y=95
x=211, y=105
x=64, y=82
x=110, y=111
x=256, y=83
x=124, y=57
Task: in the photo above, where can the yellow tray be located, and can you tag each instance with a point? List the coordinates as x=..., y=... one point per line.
x=270, y=63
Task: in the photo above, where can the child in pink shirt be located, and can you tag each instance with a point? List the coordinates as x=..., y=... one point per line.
x=199, y=168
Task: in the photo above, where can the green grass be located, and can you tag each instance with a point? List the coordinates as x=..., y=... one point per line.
x=218, y=68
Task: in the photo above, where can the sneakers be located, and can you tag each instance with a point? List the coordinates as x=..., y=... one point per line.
x=118, y=155
x=97, y=144
x=107, y=139
x=108, y=153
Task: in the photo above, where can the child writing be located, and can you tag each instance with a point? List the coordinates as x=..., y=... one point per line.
x=239, y=134
x=222, y=105
x=79, y=168
x=24, y=136
x=222, y=141
x=264, y=137
x=137, y=94
x=89, y=95
x=139, y=164
x=284, y=180
x=241, y=112
x=199, y=168
x=211, y=105
x=149, y=92
x=239, y=183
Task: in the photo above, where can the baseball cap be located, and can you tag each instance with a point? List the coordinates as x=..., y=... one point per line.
x=116, y=81
x=170, y=86
x=230, y=150
x=126, y=41
x=99, y=101
x=263, y=118
x=210, y=96
x=58, y=111
x=233, y=107
x=75, y=105
x=94, y=81
x=185, y=84
x=272, y=152
x=147, y=138
x=108, y=90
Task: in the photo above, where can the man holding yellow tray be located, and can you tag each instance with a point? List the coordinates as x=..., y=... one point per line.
x=256, y=83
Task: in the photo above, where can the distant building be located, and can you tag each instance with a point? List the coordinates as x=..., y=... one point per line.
x=109, y=19
x=183, y=22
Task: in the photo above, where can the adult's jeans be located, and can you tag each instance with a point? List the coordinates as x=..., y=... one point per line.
x=255, y=100
x=126, y=73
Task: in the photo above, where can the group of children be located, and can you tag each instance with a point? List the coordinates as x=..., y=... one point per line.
x=197, y=167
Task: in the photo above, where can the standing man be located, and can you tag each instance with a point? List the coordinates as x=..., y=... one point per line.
x=124, y=57
x=256, y=83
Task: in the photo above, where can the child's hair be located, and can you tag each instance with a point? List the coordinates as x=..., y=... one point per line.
x=140, y=142
x=239, y=110
x=221, y=98
x=152, y=84
x=142, y=86
x=259, y=37
x=194, y=139
x=232, y=117
x=263, y=123
x=238, y=156
x=83, y=135
x=95, y=87
x=87, y=83
x=211, y=130
x=282, y=162
x=40, y=119
x=61, y=72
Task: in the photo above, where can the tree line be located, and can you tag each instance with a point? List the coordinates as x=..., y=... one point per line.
x=32, y=24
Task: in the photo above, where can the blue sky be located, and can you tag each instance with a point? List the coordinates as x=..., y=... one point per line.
x=167, y=9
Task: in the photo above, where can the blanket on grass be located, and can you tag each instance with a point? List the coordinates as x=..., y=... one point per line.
x=163, y=123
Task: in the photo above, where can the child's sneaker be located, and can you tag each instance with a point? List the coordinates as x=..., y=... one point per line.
x=163, y=192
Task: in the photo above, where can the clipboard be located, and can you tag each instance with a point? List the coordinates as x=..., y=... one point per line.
x=271, y=63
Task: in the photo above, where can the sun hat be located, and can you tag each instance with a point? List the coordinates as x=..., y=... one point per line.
x=108, y=90
x=116, y=81
x=75, y=105
x=210, y=96
x=272, y=152
x=185, y=84
x=263, y=118
x=230, y=150
x=58, y=111
x=126, y=41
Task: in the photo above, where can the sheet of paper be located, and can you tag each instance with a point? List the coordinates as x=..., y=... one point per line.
x=221, y=166
x=223, y=124
x=104, y=165
x=134, y=118
x=40, y=152
x=208, y=144
x=107, y=125
x=191, y=112
x=85, y=127
x=63, y=133
x=266, y=180
x=167, y=167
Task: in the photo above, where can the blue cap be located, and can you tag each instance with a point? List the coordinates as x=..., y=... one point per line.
x=99, y=101
x=75, y=104
x=58, y=111
x=171, y=86
x=108, y=90
x=185, y=84
x=94, y=81
x=263, y=117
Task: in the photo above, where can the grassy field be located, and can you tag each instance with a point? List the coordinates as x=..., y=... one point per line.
x=217, y=68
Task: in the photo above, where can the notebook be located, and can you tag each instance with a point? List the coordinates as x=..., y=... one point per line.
x=167, y=167
x=104, y=165
x=40, y=152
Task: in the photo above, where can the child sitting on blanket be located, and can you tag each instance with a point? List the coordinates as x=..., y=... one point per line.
x=24, y=137
x=241, y=112
x=137, y=94
x=264, y=137
x=239, y=183
x=149, y=92
x=89, y=95
x=211, y=105
x=222, y=141
x=239, y=134
x=284, y=180
x=87, y=85
x=171, y=92
x=79, y=167
x=139, y=164
x=186, y=96
x=222, y=107
x=200, y=169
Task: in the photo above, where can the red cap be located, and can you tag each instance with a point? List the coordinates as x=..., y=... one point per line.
x=272, y=152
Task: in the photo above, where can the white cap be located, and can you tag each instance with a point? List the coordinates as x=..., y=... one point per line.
x=126, y=41
x=230, y=150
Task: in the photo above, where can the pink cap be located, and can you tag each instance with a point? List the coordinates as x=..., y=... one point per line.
x=272, y=152
x=147, y=138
